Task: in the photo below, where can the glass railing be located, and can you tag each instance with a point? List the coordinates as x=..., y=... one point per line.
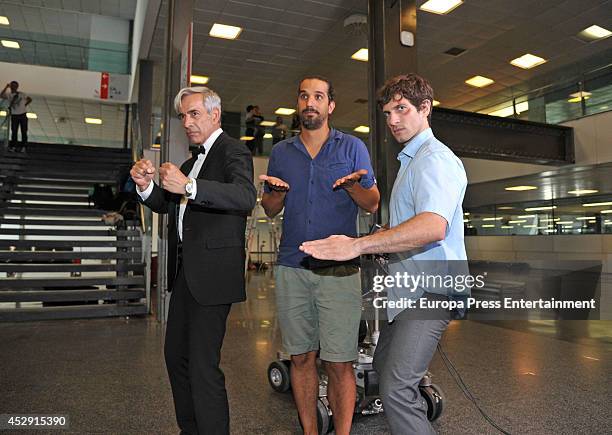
x=72, y=54
x=563, y=101
x=582, y=215
x=4, y=123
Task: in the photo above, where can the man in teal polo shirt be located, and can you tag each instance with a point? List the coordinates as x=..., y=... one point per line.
x=426, y=226
x=321, y=178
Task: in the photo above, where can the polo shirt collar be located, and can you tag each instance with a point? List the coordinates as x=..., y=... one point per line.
x=333, y=135
x=413, y=145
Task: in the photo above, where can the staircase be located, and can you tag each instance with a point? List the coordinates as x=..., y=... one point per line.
x=58, y=259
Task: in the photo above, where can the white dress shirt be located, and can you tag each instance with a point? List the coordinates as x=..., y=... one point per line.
x=197, y=166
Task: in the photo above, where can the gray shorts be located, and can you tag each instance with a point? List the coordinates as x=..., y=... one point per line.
x=319, y=310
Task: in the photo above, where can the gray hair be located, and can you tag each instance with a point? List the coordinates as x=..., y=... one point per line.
x=210, y=98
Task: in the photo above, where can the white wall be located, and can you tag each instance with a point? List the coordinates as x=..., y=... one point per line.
x=62, y=82
x=593, y=138
x=479, y=170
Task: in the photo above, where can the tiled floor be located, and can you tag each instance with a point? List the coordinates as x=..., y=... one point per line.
x=108, y=375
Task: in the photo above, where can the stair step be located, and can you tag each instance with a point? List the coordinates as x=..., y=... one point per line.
x=92, y=232
x=62, y=222
x=42, y=245
x=47, y=256
x=71, y=312
x=39, y=283
x=59, y=212
x=51, y=191
x=84, y=197
x=70, y=295
x=69, y=267
x=52, y=183
x=102, y=176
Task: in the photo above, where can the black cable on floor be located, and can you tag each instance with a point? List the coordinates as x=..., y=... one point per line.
x=465, y=390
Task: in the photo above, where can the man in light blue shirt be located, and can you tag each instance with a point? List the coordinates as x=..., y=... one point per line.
x=426, y=227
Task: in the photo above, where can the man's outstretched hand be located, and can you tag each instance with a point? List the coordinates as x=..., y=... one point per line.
x=275, y=183
x=338, y=248
x=348, y=180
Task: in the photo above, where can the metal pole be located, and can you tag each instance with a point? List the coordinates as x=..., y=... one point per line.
x=162, y=244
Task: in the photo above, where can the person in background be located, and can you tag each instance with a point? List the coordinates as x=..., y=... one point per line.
x=279, y=131
x=18, y=107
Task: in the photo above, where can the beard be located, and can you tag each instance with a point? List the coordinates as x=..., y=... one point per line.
x=311, y=122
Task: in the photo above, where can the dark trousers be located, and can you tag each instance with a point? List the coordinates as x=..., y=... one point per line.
x=194, y=336
x=19, y=121
x=403, y=353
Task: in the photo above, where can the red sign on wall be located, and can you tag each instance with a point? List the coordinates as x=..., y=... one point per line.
x=104, y=79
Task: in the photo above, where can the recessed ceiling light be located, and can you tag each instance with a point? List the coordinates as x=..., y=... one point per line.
x=520, y=188
x=597, y=204
x=525, y=216
x=582, y=191
x=550, y=207
x=31, y=115
x=595, y=32
x=267, y=123
x=361, y=54
x=585, y=218
x=488, y=226
x=96, y=121
x=362, y=129
x=606, y=211
x=200, y=80
x=9, y=44
x=2, y=113
x=578, y=96
x=224, y=31
x=507, y=227
x=435, y=103
x=479, y=81
x=247, y=137
x=509, y=111
x=528, y=61
x=267, y=136
x=505, y=208
x=519, y=221
x=529, y=226
x=493, y=218
x=440, y=7
x=284, y=111
x=4, y=21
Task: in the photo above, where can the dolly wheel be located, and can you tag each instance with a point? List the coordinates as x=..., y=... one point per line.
x=325, y=422
x=434, y=397
x=278, y=376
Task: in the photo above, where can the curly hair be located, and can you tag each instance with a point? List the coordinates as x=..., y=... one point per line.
x=411, y=86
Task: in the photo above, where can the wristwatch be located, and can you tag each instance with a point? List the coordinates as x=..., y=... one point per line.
x=189, y=187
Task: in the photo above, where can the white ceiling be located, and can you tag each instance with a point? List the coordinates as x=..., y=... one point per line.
x=283, y=40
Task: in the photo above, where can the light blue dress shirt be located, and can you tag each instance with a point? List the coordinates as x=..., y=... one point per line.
x=432, y=179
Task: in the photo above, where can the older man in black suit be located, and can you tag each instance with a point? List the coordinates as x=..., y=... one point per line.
x=208, y=200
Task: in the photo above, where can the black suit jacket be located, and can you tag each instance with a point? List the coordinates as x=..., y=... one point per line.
x=213, y=224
